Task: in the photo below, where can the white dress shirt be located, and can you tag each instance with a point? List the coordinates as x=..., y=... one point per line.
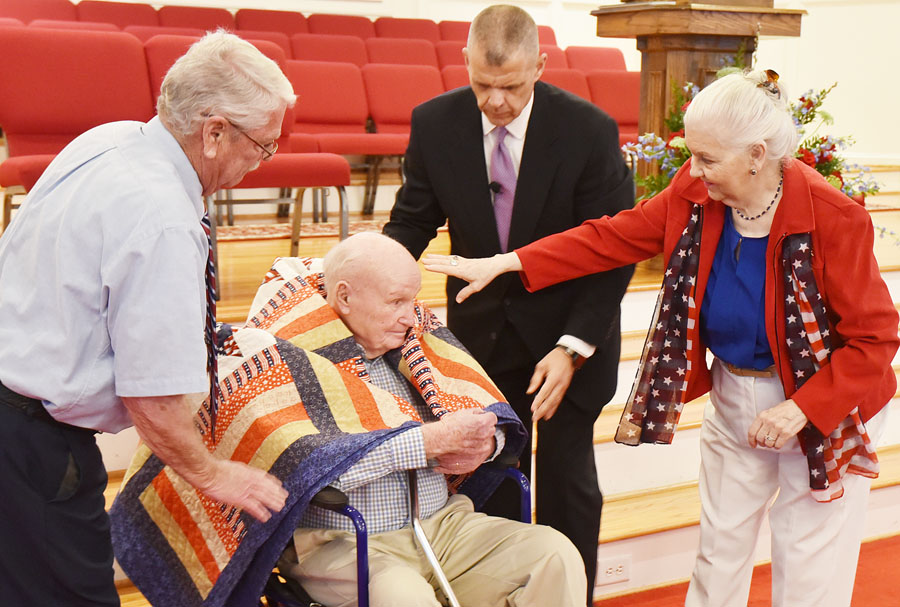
x=102, y=278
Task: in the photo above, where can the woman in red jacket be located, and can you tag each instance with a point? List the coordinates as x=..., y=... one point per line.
x=772, y=270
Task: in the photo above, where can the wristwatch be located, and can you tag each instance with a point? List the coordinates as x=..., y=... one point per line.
x=577, y=359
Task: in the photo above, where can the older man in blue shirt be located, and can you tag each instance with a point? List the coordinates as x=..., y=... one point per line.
x=107, y=254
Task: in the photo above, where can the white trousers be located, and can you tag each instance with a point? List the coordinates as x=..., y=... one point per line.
x=815, y=546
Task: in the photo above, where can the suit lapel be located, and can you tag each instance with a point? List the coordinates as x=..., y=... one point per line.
x=539, y=161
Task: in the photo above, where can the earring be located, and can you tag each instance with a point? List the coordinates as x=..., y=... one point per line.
x=753, y=172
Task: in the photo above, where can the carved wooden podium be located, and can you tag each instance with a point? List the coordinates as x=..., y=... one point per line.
x=683, y=41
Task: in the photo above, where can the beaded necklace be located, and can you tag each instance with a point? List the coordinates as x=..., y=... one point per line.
x=774, y=198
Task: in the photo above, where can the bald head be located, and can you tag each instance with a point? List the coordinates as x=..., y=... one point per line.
x=502, y=31
x=371, y=282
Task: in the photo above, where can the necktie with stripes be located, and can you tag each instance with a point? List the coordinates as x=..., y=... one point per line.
x=210, y=328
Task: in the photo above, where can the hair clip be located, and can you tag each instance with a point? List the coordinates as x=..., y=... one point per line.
x=771, y=83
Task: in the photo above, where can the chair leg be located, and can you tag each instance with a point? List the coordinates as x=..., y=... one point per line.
x=295, y=222
x=371, y=184
x=7, y=208
x=323, y=197
x=344, y=212
x=230, y=207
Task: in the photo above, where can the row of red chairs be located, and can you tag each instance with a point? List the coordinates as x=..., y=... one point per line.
x=123, y=14
x=338, y=47
x=66, y=82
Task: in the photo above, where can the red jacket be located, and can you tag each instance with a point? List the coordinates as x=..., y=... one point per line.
x=861, y=313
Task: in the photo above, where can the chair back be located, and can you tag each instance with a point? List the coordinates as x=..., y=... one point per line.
x=332, y=97
x=121, y=14
x=401, y=51
x=65, y=82
x=279, y=38
x=454, y=30
x=286, y=22
x=449, y=52
x=329, y=47
x=618, y=93
x=145, y=32
x=556, y=57
x=203, y=17
x=56, y=24
x=393, y=27
x=27, y=11
x=546, y=35
x=569, y=80
x=394, y=90
x=454, y=76
x=591, y=58
x=347, y=25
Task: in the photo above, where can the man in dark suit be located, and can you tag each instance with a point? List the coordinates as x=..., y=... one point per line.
x=498, y=197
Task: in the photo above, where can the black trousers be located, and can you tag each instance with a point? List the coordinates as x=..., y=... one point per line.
x=567, y=493
x=55, y=547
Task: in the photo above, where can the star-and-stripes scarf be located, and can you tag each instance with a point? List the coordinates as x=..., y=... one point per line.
x=657, y=397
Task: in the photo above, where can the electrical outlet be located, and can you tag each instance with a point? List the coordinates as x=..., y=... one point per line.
x=614, y=570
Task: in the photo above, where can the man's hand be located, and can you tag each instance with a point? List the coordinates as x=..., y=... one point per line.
x=552, y=375
x=245, y=487
x=477, y=272
x=774, y=427
x=166, y=424
x=460, y=441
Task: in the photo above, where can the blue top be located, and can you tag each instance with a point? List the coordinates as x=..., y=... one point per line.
x=732, y=318
x=102, y=278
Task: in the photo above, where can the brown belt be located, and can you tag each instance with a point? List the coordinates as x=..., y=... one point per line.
x=768, y=372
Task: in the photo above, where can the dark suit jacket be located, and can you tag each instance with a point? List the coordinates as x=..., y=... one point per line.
x=572, y=170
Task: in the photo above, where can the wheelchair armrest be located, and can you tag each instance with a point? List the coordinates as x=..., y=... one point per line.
x=505, y=460
x=330, y=498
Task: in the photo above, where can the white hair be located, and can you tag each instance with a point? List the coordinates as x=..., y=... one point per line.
x=226, y=76
x=364, y=255
x=744, y=109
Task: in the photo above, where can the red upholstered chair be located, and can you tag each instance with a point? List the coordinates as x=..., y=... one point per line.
x=122, y=14
x=401, y=51
x=202, y=17
x=590, y=58
x=329, y=47
x=449, y=52
x=54, y=24
x=618, y=93
x=10, y=22
x=393, y=27
x=29, y=10
x=62, y=83
x=347, y=25
x=546, y=35
x=145, y=32
x=394, y=90
x=286, y=22
x=556, y=57
x=333, y=108
x=279, y=38
x=569, y=80
x=454, y=30
x=454, y=76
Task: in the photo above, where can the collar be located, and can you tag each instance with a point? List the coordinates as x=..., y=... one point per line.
x=794, y=214
x=517, y=127
x=160, y=136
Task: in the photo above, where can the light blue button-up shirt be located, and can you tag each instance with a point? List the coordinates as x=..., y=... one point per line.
x=102, y=278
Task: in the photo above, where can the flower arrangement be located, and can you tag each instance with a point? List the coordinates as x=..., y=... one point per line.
x=822, y=152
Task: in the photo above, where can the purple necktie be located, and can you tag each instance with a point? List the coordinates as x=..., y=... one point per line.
x=210, y=330
x=503, y=173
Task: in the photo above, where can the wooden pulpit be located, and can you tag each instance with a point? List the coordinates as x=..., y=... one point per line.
x=684, y=41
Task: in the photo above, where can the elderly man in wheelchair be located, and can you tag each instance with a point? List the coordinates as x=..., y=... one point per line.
x=341, y=380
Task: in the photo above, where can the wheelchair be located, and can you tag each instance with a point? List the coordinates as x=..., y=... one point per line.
x=283, y=591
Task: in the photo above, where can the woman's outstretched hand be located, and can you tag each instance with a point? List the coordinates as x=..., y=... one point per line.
x=477, y=272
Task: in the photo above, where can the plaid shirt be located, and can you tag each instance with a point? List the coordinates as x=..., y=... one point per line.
x=377, y=485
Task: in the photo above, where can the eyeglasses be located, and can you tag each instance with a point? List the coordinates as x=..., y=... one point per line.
x=771, y=83
x=268, y=151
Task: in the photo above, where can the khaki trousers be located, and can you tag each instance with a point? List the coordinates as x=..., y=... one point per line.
x=489, y=561
x=815, y=546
